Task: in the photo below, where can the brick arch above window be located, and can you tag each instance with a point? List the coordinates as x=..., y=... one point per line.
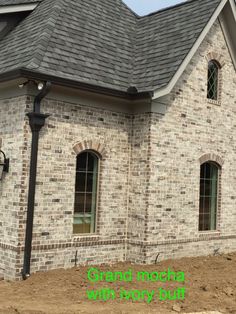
x=95, y=146
x=211, y=157
x=216, y=57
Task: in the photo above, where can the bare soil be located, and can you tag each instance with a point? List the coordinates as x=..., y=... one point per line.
x=210, y=286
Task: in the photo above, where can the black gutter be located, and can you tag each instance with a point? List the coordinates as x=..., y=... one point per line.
x=36, y=121
x=33, y=75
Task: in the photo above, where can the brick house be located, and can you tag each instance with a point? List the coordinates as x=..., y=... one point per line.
x=119, y=130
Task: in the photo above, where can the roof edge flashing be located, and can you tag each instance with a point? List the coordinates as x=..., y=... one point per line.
x=17, y=8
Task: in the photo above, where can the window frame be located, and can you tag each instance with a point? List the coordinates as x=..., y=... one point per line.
x=218, y=67
x=75, y=234
x=218, y=196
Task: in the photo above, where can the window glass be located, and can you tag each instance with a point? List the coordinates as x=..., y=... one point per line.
x=208, y=196
x=85, y=193
x=212, y=84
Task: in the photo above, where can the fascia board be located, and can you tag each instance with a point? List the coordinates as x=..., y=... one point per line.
x=233, y=7
x=166, y=90
x=226, y=29
x=17, y=8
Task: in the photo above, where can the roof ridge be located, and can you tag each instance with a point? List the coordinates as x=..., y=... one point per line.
x=132, y=16
x=47, y=31
x=133, y=61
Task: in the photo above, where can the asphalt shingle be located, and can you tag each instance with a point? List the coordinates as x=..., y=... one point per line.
x=103, y=43
x=165, y=38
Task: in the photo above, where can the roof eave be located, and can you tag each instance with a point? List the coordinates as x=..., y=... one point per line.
x=33, y=75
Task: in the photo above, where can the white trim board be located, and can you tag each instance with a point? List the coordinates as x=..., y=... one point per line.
x=232, y=3
x=166, y=90
x=17, y=8
x=227, y=20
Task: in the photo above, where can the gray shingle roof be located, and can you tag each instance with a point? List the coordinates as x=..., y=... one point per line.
x=15, y=2
x=103, y=43
x=165, y=38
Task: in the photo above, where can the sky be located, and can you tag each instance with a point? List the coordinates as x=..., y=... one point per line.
x=142, y=7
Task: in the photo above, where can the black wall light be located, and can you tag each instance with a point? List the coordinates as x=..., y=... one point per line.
x=4, y=165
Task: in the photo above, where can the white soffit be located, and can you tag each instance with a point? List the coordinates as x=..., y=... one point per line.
x=17, y=8
x=166, y=90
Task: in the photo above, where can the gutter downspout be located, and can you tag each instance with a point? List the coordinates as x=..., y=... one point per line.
x=36, y=121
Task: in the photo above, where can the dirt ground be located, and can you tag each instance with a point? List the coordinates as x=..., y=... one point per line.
x=210, y=284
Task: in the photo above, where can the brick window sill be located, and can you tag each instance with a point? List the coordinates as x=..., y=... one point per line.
x=209, y=234
x=85, y=237
x=214, y=102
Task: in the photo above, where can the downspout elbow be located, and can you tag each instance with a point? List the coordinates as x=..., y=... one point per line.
x=38, y=98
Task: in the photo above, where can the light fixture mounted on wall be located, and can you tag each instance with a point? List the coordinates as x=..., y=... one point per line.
x=4, y=165
x=39, y=85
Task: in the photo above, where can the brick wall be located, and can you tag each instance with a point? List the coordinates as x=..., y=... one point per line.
x=11, y=204
x=149, y=176
x=191, y=127
x=69, y=129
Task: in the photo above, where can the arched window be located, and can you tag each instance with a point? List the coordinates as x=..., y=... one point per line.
x=209, y=178
x=213, y=80
x=86, y=192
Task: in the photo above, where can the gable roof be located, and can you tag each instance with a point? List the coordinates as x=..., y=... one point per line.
x=103, y=43
x=165, y=38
